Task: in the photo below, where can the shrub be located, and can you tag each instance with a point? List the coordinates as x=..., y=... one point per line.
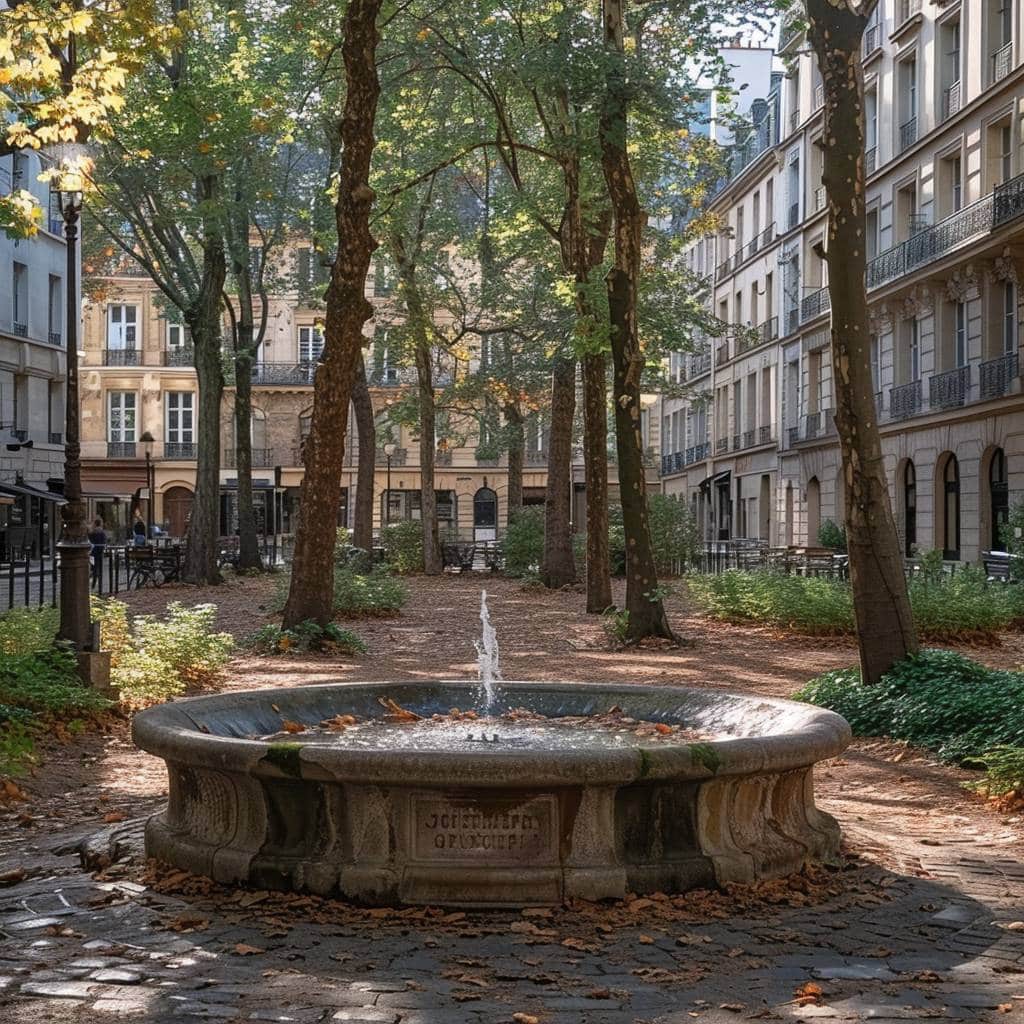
x=403, y=546
x=832, y=536
x=347, y=555
x=946, y=607
x=115, y=632
x=936, y=699
x=307, y=636
x=523, y=546
x=24, y=630
x=372, y=593
x=675, y=537
x=1004, y=772
x=1013, y=539
x=46, y=683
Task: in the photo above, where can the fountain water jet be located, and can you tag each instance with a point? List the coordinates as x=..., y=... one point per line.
x=487, y=656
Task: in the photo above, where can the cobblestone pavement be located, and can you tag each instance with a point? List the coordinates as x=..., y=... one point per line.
x=941, y=936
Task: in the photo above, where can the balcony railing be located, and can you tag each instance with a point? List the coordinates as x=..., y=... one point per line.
x=184, y=451
x=1008, y=201
x=181, y=356
x=997, y=208
x=905, y=400
x=950, y=389
x=443, y=457
x=815, y=304
x=121, y=357
x=20, y=329
x=769, y=329
x=262, y=458
x=872, y=39
x=758, y=242
x=997, y=375
x=699, y=363
x=870, y=160
x=1002, y=61
x=282, y=374
x=723, y=268
x=764, y=435
x=721, y=445
x=55, y=438
x=951, y=100
x=792, y=436
x=700, y=452
x=666, y=464
x=54, y=337
x=789, y=31
x=748, y=438
x=737, y=442
x=908, y=134
x=536, y=458
x=793, y=217
x=399, y=457
x=120, y=449
x=722, y=354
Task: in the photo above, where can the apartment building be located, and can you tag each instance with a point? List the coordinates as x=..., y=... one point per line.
x=139, y=408
x=945, y=222
x=32, y=370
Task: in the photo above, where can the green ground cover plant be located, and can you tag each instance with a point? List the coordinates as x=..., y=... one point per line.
x=307, y=636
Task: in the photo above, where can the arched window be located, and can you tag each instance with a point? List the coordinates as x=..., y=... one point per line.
x=951, y=509
x=485, y=508
x=813, y=511
x=909, y=509
x=999, y=498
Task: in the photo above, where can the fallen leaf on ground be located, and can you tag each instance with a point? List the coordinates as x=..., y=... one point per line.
x=732, y=1007
x=809, y=992
x=187, y=923
x=243, y=950
x=525, y=1018
x=112, y=816
x=12, y=876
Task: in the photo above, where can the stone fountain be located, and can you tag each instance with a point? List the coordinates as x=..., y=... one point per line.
x=489, y=812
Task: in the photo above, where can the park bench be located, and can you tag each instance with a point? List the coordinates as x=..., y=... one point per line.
x=997, y=565
x=156, y=566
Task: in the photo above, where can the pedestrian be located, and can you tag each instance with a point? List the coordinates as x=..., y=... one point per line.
x=98, y=540
x=139, y=533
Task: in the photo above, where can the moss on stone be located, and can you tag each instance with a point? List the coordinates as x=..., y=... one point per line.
x=706, y=756
x=285, y=758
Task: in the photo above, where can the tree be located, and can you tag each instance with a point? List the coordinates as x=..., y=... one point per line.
x=311, y=593
x=643, y=601
x=885, y=626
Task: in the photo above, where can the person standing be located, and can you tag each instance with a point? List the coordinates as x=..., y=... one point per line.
x=98, y=539
x=139, y=533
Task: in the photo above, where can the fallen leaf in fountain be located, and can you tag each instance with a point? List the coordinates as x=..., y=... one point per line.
x=1014, y=926
x=339, y=723
x=662, y=728
x=525, y=1018
x=1004, y=1007
x=289, y=726
x=243, y=950
x=187, y=923
x=396, y=713
x=809, y=992
x=12, y=876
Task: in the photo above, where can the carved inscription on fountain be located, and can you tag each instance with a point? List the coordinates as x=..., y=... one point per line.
x=484, y=831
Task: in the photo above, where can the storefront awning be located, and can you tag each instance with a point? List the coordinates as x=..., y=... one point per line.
x=28, y=491
x=716, y=478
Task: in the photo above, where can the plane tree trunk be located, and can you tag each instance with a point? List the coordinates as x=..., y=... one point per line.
x=558, y=567
x=885, y=625
x=366, y=428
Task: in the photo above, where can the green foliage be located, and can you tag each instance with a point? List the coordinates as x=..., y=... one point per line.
x=17, y=746
x=403, y=546
x=936, y=699
x=523, y=546
x=24, y=630
x=945, y=606
x=1013, y=538
x=45, y=683
x=347, y=555
x=169, y=655
x=115, y=631
x=615, y=623
x=675, y=536
x=375, y=593
x=832, y=536
x=1004, y=771
x=307, y=636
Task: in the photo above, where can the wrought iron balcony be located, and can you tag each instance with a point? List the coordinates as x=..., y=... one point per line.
x=121, y=357
x=699, y=364
x=184, y=451
x=908, y=134
x=262, y=458
x=1002, y=62
x=536, y=458
x=54, y=337
x=932, y=243
x=443, y=457
x=20, y=329
x=870, y=160
x=666, y=465
x=951, y=100
x=701, y=451
x=183, y=355
x=764, y=435
x=120, y=449
x=55, y=437
x=997, y=375
x=722, y=445
x=759, y=242
x=950, y=389
x=790, y=31
x=748, y=438
x=737, y=442
x=905, y=400
x=723, y=268
x=1008, y=201
x=769, y=329
x=815, y=304
x=282, y=374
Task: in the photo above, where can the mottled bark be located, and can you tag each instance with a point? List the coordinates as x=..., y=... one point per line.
x=558, y=567
x=595, y=470
x=362, y=407
x=885, y=626
x=203, y=319
x=310, y=595
x=643, y=601
x=248, y=544
x=516, y=454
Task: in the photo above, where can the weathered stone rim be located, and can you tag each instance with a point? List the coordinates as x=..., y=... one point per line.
x=789, y=735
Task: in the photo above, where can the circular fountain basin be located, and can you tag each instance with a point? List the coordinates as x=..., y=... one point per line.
x=535, y=816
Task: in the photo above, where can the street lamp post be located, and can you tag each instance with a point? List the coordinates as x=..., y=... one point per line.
x=389, y=449
x=74, y=546
x=147, y=447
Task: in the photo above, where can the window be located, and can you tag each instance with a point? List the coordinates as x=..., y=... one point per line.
x=871, y=232
x=909, y=509
x=303, y=268
x=55, y=411
x=871, y=120
x=876, y=364
x=951, y=509
x=949, y=69
x=383, y=371
x=121, y=416
x=122, y=327
x=739, y=231
x=311, y=344
x=813, y=381
x=55, y=309
x=179, y=411
x=950, y=185
x=907, y=100
x=19, y=287
x=909, y=368
x=1005, y=153
x=383, y=279
x=999, y=499
x=1009, y=317
x=178, y=337
x=960, y=334
x=755, y=226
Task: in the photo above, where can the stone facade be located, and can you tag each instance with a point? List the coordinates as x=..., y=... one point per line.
x=945, y=201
